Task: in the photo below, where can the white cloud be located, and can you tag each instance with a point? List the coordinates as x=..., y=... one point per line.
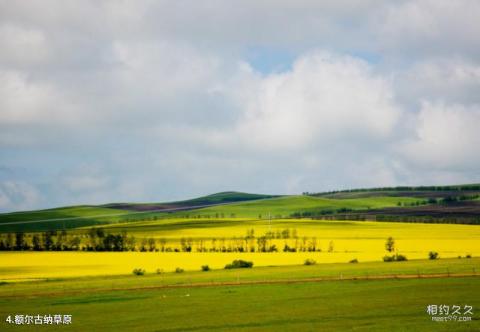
x=324, y=98
x=22, y=46
x=451, y=80
x=447, y=138
x=18, y=195
x=427, y=28
x=163, y=100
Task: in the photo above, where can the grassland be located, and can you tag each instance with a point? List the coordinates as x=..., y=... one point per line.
x=285, y=206
x=236, y=204
x=278, y=294
x=197, y=301
x=59, y=218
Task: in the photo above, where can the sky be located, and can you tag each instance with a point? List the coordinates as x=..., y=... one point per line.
x=149, y=101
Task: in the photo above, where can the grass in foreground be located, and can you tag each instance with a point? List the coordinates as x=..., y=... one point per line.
x=273, y=274
x=372, y=305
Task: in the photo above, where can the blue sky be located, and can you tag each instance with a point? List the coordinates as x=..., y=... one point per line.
x=141, y=101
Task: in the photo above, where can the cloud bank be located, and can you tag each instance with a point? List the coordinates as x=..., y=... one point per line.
x=152, y=101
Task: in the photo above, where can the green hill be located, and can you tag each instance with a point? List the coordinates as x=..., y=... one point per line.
x=89, y=215
x=219, y=198
x=443, y=203
x=408, y=191
x=287, y=205
x=58, y=218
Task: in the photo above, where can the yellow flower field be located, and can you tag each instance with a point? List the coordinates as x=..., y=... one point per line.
x=364, y=241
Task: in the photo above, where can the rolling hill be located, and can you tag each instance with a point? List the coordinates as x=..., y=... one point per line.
x=452, y=204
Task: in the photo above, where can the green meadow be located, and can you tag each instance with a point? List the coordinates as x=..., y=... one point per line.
x=72, y=271
x=258, y=299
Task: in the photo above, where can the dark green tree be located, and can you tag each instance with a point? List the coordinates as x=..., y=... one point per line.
x=390, y=244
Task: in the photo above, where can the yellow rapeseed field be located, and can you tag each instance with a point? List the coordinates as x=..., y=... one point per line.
x=364, y=241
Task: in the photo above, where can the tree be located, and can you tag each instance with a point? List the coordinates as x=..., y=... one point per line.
x=390, y=244
x=262, y=243
x=143, y=245
x=61, y=240
x=9, y=243
x=20, y=243
x=92, y=234
x=129, y=243
x=331, y=246
x=48, y=240
x=151, y=244
x=186, y=244
x=113, y=242
x=163, y=242
x=37, y=246
x=74, y=243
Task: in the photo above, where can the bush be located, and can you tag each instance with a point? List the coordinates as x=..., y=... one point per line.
x=159, y=271
x=205, y=268
x=138, y=272
x=309, y=261
x=239, y=264
x=400, y=258
x=468, y=256
x=395, y=258
x=179, y=270
x=388, y=258
x=354, y=260
x=432, y=255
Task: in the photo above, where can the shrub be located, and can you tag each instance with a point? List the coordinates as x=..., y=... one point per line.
x=205, y=268
x=159, y=271
x=309, y=261
x=432, y=255
x=239, y=264
x=468, y=256
x=354, y=260
x=179, y=270
x=138, y=272
x=400, y=258
x=395, y=258
x=388, y=258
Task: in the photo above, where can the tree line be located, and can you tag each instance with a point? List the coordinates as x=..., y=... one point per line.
x=475, y=187
x=97, y=239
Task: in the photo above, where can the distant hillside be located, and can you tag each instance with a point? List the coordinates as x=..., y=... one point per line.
x=90, y=215
x=450, y=204
x=283, y=207
x=403, y=191
x=214, y=199
x=58, y=218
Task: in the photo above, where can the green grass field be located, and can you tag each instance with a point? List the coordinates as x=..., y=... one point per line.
x=284, y=206
x=258, y=205
x=59, y=218
x=177, y=302
x=279, y=294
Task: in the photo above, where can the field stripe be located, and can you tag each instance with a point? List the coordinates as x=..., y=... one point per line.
x=255, y=282
x=125, y=214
